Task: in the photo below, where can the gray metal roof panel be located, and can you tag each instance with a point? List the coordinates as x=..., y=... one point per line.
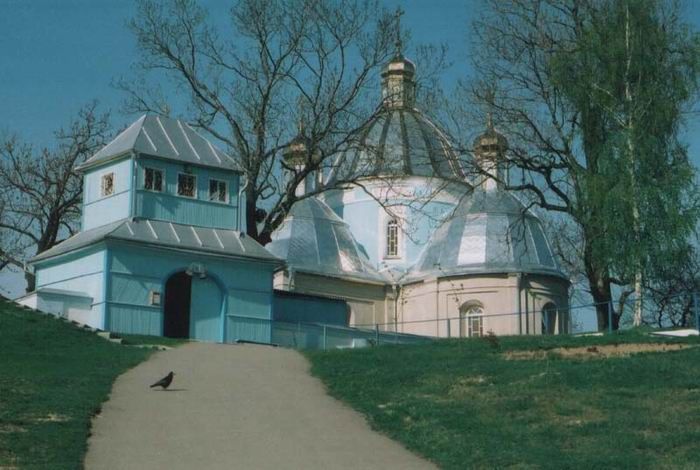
x=166, y=138
x=312, y=238
x=166, y=234
x=490, y=231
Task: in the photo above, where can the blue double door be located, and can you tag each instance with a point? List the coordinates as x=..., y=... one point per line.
x=193, y=308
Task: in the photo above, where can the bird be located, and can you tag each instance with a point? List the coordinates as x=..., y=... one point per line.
x=165, y=381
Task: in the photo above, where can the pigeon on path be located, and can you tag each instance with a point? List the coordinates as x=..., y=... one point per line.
x=165, y=381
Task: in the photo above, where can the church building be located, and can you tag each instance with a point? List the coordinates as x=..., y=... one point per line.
x=403, y=240
x=418, y=244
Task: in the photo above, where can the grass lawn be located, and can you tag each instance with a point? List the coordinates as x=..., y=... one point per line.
x=468, y=404
x=53, y=379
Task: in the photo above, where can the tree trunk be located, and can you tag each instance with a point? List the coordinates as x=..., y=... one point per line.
x=600, y=290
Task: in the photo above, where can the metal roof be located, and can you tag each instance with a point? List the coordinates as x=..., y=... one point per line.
x=166, y=234
x=167, y=138
x=398, y=141
x=490, y=231
x=312, y=238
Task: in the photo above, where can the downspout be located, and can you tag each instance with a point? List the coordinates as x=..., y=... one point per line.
x=241, y=188
x=132, y=193
x=396, y=288
x=437, y=306
x=527, y=311
x=519, y=306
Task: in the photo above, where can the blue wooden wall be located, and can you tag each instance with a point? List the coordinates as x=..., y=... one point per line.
x=167, y=205
x=98, y=210
x=82, y=271
x=245, y=288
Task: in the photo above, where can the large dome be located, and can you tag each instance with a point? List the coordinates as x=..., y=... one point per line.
x=489, y=232
x=312, y=238
x=399, y=141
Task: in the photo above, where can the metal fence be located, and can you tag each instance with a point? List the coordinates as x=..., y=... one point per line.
x=323, y=336
x=678, y=311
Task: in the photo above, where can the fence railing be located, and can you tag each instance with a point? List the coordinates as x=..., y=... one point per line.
x=681, y=310
x=323, y=336
x=678, y=311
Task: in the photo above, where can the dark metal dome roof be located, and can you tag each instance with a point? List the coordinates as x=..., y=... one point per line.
x=398, y=141
x=489, y=232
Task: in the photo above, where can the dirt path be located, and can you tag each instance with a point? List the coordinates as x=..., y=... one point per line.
x=241, y=407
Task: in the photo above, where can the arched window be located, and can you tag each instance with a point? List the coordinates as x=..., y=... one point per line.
x=549, y=319
x=471, y=319
x=392, y=238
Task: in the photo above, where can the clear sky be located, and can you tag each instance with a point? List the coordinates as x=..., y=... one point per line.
x=57, y=55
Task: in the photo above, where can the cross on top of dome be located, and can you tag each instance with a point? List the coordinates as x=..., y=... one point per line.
x=398, y=84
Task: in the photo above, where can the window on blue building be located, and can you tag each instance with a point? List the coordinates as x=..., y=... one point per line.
x=107, y=186
x=186, y=185
x=153, y=179
x=218, y=191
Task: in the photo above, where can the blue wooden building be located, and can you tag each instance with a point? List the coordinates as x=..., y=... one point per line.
x=161, y=250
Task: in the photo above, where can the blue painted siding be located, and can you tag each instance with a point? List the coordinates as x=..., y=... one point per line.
x=82, y=272
x=98, y=210
x=245, y=291
x=167, y=205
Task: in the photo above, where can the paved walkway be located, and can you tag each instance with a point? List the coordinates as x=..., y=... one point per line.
x=234, y=407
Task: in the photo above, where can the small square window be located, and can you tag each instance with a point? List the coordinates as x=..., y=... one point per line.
x=155, y=298
x=153, y=179
x=186, y=185
x=218, y=191
x=107, y=187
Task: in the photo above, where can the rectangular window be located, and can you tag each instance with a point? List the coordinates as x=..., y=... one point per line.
x=186, y=185
x=153, y=179
x=107, y=186
x=475, y=326
x=392, y=238
x=218, y=191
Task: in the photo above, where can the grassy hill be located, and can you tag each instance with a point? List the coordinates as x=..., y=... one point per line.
x=530, y=402
x=53, y=378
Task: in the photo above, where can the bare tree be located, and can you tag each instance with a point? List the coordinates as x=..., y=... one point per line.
x=281, y=63
x=40, y=192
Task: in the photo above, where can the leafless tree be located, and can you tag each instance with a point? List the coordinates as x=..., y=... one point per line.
x=285, y=69
x=40, y=192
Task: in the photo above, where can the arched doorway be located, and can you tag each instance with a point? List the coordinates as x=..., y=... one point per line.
x=176, y=309
x=193, y=308
x=471, y=319
x=549, y=319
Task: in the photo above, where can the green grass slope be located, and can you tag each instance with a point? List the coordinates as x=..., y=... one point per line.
x=53, y=379
x=470, y=404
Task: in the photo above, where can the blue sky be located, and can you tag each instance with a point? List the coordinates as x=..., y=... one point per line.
x=57, y=55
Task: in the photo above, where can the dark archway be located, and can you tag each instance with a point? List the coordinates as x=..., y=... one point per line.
x=176, y=310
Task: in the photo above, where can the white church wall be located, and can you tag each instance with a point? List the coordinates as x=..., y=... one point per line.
x=432, y=307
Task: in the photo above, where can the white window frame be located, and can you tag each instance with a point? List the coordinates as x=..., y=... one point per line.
x=471, y=311
x=162, y=179
x=177, y=189
x=392, y=224
x=103, y=192
x=226, y=193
